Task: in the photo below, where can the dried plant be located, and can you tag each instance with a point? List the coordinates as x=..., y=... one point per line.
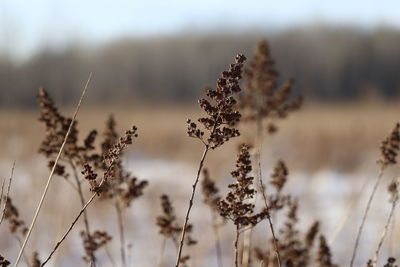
x=171, y=229
x=212, y=198
x=390, y=147
x=324, y=254
x=3, y=262
x=390, y=262
x=219, y=123
x=35, y=261
x=291, y=247
x=311, y=234
x=73, y=154
x=235, y=206
x=97, y=240
x=263, y=98
x=262, y=102
x=6, y=196
x=100, y=187
x=17, y=226
x=117, y=185
x=394, y=197
x=49, y=179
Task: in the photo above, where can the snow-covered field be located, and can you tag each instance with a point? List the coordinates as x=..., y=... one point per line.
x=336, y=199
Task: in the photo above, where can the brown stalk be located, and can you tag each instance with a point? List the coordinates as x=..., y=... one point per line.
x=203, y=157
x=262, y=189
x=51, y=173
x=79, y=215
x=70, y=228
x=236, y=250
x=386, y=228
x=82, y=199
x=7, y=193
x=361, y=227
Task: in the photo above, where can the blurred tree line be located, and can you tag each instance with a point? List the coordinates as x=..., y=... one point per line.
x=327, y=63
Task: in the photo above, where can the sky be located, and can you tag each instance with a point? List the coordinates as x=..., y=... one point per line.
x=28, y=25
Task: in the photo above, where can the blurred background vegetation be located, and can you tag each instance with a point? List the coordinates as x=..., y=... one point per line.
x=328, y=63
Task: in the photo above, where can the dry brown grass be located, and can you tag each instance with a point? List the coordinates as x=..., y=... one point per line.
x=338, y=136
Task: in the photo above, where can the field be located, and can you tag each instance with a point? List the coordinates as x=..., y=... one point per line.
x=331, y=151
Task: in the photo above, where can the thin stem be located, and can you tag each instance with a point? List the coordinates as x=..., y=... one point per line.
x=51, y=173
x=236, y=250
x=371, y=197
x=70, y=228
x=217, y=241
x=85, y=217
x=20, y=245
x=103, y=180
x=262, y=189
x=385, y=229
x=3, y=213
x=121, y=232
x=2, y=191
x=203, y=157
x=392, y=235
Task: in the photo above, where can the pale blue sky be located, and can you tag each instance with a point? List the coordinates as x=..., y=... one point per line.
x=27, y=25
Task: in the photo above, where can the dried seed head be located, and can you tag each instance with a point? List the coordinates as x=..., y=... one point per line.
x=390, y=262
x=393, y=189
x=12, y=216
x=170, y=228
x=210, y=191
x=262, y=97
x=311, y=234
x=56, y=129
x=220, y=108
x=235, y=206
x=324, y=253
x=390, y=147
x=3, y=262
x=279, y=176
x=134, y=189
x=93, y=242
x=35, y=261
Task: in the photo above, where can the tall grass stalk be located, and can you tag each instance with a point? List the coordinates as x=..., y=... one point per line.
x=361, y=227
x=3, y=213
x=52, y=173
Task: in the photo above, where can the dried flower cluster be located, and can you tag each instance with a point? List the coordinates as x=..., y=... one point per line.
x=324, y=254
x=291, y=247
x=311, y=234
x=210, y=190
x=294, y=250
x=279, y=176
x=35, y=261
x=263, y=98
x=277, y=200
x=393, y=189
x=56, y=129
x=115, y=182
x=390, y=147
x=17, y=225
x=220, y=107
x=390, y=262
x=170, y=228
x=3, y=262
x=91, y=244
x=235, y=206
